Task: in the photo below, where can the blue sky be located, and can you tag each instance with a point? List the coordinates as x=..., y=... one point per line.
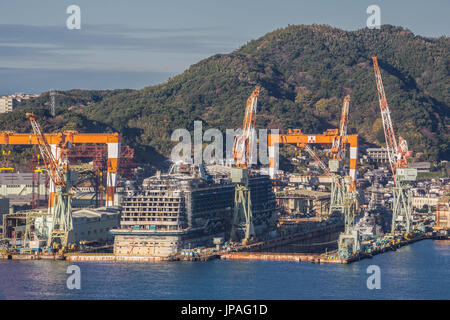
x=136, y=43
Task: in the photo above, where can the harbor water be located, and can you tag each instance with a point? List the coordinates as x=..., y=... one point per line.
x=417, y=271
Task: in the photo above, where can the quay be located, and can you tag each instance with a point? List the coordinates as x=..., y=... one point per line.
x=238, y=253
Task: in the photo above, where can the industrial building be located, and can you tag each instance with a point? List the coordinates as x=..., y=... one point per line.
x=34, y=226
x=19, y=187
x=421, y=166
x=303, y=202
x=378, y=155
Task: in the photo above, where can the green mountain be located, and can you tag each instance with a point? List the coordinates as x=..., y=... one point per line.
x=304, y=72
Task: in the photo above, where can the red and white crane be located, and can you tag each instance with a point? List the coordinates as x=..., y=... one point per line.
x=398, y=153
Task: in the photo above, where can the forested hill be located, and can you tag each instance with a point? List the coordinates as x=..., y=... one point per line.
x=304, y=72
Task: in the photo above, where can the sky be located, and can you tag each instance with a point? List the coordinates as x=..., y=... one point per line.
x=137, y=43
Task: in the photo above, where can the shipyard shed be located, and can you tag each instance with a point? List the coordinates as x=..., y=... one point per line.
x=88, y=225
x=94, y=224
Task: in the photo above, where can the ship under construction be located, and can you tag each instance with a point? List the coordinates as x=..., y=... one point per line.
x=187, y=209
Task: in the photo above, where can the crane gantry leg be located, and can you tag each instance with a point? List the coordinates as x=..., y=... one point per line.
x=349, y=241
x=337, y=194
x=402, y=198
x=401, y=209
x=242, y=228
x=62, y=222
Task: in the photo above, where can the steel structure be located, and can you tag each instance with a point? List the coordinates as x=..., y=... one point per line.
x=349, y=240
x=398, y=155
x=242, y=226
x=74, y=138
x=98, y=154
x=295, y=136
x=37, y=175
x=338, y=186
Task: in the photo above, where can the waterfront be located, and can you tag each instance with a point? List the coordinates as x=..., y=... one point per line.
x=418, y=271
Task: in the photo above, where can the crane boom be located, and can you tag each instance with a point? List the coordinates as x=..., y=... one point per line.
x=391, y=142
x=338, y=148
x=244, y=142
x=322, y=165
x=398, y=153
x=52, y=164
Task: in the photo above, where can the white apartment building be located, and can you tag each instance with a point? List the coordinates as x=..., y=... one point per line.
x=7, y=104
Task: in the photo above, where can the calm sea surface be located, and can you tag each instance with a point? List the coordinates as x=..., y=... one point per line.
x=419, y=271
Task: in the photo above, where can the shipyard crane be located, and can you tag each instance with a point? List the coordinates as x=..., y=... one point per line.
x=57, y=165
x=343, y=198
x=398, y=155
x=244, y=143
